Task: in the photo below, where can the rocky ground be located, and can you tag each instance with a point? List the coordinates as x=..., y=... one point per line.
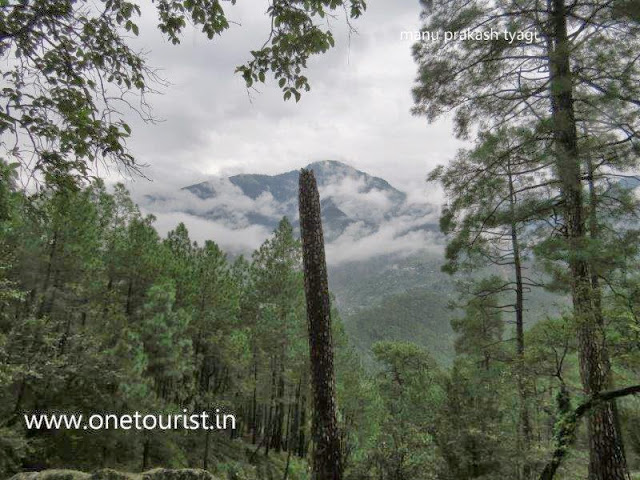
x=108, y=474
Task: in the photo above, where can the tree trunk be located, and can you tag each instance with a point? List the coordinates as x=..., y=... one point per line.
x=128, y=307
x=606, y=457
x=279, y=414
x=524, y=417
x=145, y=454
x=597, y=292
x=568, y=423
x=302, y=440
x=326, y=459
x=272, y=410
x=295, y=424
x=207, y=447
x=47, y=295
x=254, y=404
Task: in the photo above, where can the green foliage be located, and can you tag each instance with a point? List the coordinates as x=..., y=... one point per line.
x=100, y=314
x=107, y=316
x=480, y=330
x=542, y=179
x=295, y=36
x=419, y=315
x=410, y=390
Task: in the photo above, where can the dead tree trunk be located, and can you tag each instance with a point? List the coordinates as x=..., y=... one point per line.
x=524, y=426
x=326, y=457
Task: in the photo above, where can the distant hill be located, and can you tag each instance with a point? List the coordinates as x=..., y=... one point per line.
x=407, y=299
x=419, y=315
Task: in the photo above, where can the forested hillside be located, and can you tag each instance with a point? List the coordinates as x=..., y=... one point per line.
x=410, y=299
x=100, y=314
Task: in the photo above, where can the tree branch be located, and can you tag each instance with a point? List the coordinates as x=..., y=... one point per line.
x=568, y=424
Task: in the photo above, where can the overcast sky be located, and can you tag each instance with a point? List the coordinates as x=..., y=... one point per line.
x=356, y=112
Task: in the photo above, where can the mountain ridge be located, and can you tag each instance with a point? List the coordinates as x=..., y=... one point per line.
x=353, y=202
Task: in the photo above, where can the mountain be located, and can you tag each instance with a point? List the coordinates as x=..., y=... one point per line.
x=284, y=187
x=352, y=201
x=418, y=315
x=408, y=298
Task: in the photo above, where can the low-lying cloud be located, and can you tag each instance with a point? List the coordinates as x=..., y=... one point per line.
x=234, y=241
x=378, y=222
x=392, y=238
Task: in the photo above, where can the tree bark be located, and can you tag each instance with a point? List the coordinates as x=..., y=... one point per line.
x=302, y=440
x=594, y=233
x=279, y=412
x=145, y=454
x=205, y=456
x=326, y=456
x=524, y=417
x=606, y=457
x=254, y=403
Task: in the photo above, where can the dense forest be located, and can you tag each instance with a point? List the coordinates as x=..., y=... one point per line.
x=101, y=313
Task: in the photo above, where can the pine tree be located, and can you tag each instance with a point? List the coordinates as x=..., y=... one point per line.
x=493, y=83
x=497, y=195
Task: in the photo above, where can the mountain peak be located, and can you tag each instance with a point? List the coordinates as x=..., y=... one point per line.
x=353, y=201
x=330, y=165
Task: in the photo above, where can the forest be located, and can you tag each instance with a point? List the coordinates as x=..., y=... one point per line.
x=100, y=312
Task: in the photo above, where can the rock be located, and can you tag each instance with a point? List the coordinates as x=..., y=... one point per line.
x=25, y=476
x=109, y=474
x=182, y=474
x=52, y=475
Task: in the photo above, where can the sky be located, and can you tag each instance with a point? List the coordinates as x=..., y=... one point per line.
x=358, y=109
x=357, y=112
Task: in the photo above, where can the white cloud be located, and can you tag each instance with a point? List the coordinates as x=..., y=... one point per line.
x=386, y=241
x=357, y=110
x=235, y=241
x=350, y=197
x=228, y=198
x=375, y=233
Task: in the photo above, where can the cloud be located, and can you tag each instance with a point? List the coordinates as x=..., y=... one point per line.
x=229, y=207
x=357, y=110
x=234, y=241
x=350, y=196
x=386, y=241
x=380, y=225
